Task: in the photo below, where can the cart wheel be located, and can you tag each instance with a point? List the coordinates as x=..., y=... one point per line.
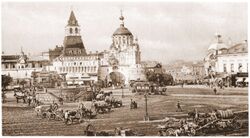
x=236, y=125
x=90, y=130
x=192, y=132
x=170, y=132
x=80, y=121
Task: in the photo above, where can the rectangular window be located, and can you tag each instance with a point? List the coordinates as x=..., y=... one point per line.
x=224, y=67
x=240, y=67
x=232, y=67
x=247, y=67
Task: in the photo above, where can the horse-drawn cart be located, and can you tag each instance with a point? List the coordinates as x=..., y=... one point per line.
x=218, y=121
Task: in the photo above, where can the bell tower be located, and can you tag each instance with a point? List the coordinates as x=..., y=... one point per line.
x=72, y=28
x=73, y=44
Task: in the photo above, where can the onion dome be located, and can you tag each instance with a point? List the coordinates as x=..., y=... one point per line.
x=219, y=45
x=122, y=30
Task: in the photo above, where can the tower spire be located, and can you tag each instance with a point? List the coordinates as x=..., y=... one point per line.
x=122, y=19
x=72, y=19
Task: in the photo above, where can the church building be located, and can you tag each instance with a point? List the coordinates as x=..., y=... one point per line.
x=115, y=66
x=74, y=63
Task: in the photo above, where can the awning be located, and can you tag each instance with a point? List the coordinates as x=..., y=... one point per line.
x=239, y=80
x=69, y=82
x=85, y=75
x=242, y=74
x=221, y=75
x=246, y=80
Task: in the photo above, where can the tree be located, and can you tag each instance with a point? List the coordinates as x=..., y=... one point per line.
x=6, y=80
x=168, y=79
x=159, y=78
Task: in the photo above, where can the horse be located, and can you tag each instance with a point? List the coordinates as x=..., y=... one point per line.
x=21, y=95
x=72, y=115
x=100, y=97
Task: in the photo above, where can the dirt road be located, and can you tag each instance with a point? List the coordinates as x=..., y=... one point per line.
x=22, y=120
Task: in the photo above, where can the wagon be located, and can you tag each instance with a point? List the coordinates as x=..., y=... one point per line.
x=42, y=110
x=226, y=121
x=177, y=127
x=168, y=129
x=90, y=130
x=141, y=87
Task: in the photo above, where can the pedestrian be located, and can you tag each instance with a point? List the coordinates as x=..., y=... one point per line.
x=178, y=107
x=66, y=116
x=29, y=100
x=215, y=90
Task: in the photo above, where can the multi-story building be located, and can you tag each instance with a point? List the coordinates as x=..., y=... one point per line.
x=21, y=66
x=74, y=62
x=117, y=65
x=229, y=63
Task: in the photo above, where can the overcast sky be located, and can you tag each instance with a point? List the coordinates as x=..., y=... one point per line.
x=166, y=31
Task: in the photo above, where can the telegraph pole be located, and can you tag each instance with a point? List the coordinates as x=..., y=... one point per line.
x=122, y=92
x=146, y=117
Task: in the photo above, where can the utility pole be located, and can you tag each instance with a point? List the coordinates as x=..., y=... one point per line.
x=122, y=92
x=146, y=117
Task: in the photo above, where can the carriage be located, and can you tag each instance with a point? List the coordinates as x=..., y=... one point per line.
x=142, y=87
x=81, y=114
x=113, y=102
x=102, y=106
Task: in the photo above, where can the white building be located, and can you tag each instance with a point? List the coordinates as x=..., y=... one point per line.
x=74, y=62
x=123, y=57
x=21, y=66
x=227, y=62
x=122, y=60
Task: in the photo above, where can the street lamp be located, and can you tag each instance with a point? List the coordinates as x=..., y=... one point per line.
x=122, y=92
x=146, y=117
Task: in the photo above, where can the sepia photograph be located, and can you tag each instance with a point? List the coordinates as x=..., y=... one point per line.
x=128, y=68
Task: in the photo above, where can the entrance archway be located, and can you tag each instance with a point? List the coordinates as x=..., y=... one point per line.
x=116, y=79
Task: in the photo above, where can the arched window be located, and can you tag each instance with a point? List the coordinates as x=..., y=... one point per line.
x=76, y=30
x=70, y=30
